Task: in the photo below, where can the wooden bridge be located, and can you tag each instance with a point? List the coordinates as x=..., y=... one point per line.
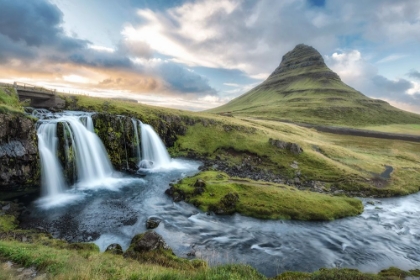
x=39, y=97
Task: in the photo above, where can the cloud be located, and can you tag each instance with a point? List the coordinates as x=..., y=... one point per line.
x=414, y=74
x=363, y=76
x=391, y=57
x=36, y=24
x=183, y=80
x=229, y=34
x=31, y=34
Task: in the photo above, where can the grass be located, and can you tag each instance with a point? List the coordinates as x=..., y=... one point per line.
x=9, y=102
x=64, y=263
x=349, y=163
x=265, y=200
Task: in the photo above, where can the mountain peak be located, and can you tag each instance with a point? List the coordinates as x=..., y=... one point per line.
x=304, y=89
x=303, y=58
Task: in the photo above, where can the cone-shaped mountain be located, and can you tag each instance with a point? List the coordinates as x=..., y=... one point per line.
x=304, y=89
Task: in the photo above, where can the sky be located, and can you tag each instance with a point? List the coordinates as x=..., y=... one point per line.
x=199, y=54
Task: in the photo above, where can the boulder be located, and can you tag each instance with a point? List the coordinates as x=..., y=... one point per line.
x=152, y=222
x=148, y=241
x=289, y=146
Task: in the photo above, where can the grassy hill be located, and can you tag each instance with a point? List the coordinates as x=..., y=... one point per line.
x=304, y=89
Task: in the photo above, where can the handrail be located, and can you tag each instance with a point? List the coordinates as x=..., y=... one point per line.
x=18, y=85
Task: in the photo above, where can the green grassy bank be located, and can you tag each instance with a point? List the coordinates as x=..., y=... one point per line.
x=214, y=191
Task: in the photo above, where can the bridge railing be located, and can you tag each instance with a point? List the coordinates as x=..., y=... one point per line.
x=26, y=86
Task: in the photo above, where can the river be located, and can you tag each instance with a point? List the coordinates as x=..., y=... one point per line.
x=385, y=235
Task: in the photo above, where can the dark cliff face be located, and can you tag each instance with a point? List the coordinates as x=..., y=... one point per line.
x=117, y=135
x=19, y=160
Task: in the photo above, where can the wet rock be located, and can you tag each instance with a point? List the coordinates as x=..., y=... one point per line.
x=177, y=195
x=153, y=222
x=19, y=164
x=115, y=249
x=148, y=241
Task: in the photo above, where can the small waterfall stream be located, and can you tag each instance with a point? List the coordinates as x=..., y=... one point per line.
x=152, y=147
x=51, y=171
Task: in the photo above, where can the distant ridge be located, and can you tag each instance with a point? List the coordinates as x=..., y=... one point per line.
x=303, y=89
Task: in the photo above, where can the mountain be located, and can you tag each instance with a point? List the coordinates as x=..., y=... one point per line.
x=304, y=89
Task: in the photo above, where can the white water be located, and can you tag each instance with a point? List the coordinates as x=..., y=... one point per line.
x=51, y=171
x=89, y=124
x=153, y=148
x=92, y=162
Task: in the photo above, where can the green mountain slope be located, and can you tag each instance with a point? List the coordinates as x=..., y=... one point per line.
x=304, y=89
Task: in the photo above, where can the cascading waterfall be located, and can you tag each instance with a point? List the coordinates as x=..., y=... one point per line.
x=91, y=158
x=87, y=162
x=51, y=172
x=152, y=148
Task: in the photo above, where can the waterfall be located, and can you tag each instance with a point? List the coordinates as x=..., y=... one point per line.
x=51, y=172
x=87, y=121
x=89, y=124
x=152, y=148
x=91, y=158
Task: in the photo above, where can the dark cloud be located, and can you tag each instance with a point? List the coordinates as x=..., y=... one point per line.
x=36, y=23
x=31, y=31
x=392, y=87
x=395, y=90
x=10, y=49
x=102, y=59
x=414, y=74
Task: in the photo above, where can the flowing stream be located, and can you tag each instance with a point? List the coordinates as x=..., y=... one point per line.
x=386, y=234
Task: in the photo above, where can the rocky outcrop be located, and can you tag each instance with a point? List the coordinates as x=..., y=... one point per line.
x=19, y=164
x=148, y=241
x=289, y=146
x=117, y=134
